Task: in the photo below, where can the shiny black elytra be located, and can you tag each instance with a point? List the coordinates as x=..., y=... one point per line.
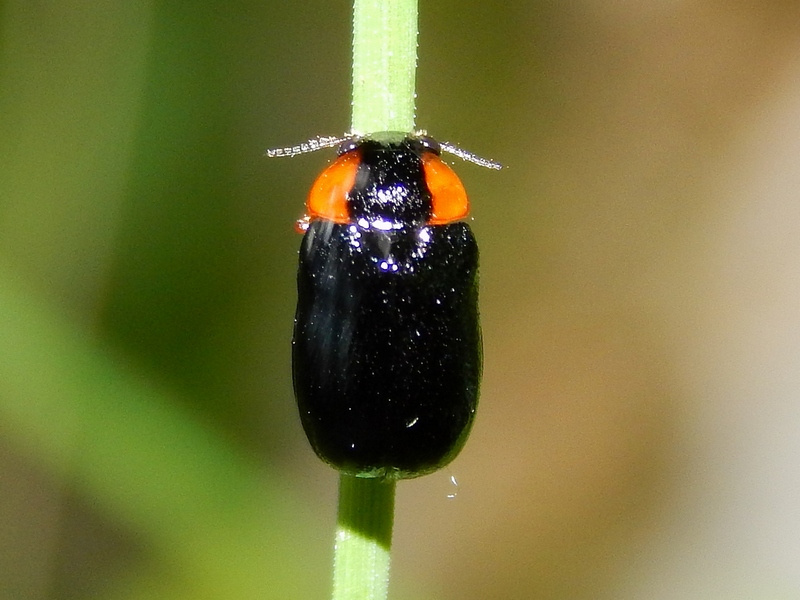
x=387, y=343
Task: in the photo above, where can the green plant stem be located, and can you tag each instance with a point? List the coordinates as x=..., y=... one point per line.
x=384, y=66
x=384, y=69
x=363, y=538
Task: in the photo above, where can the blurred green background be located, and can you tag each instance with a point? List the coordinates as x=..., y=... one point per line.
x=640, y=421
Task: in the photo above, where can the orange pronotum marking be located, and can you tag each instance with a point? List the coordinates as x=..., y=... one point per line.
x=449, y=200
x=328, y=196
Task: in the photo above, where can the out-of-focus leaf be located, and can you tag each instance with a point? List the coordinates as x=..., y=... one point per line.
x=219, y=523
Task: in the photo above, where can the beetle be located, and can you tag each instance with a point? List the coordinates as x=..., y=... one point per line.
x=386, y=351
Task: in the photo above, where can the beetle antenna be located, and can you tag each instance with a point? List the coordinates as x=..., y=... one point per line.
x=312, y=145
x=469, y=156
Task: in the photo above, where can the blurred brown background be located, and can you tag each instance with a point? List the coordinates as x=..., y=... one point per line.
x=640, y=426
